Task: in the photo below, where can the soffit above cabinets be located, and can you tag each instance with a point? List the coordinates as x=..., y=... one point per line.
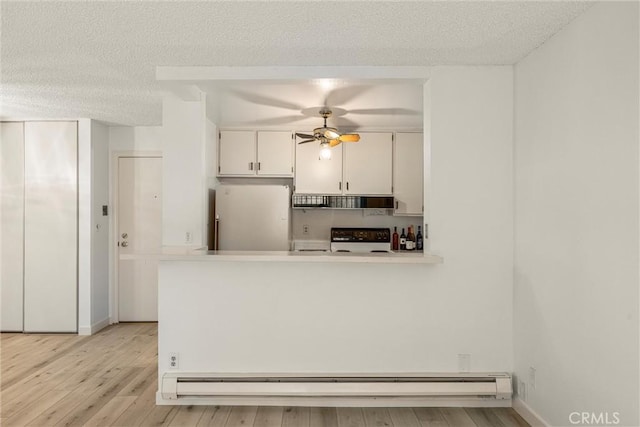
x=356, y=104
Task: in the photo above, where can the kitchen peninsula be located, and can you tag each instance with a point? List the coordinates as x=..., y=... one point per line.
x=284, y=313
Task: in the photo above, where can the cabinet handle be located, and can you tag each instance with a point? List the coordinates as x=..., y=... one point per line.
x=396, y=204
x=347, y=186
x=340, y=186
x=250, y=166
x=258, y=165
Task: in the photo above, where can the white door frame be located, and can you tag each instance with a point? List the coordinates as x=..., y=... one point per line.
x=114, y=258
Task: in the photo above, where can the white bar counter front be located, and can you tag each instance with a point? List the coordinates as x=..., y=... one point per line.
x=297, y=312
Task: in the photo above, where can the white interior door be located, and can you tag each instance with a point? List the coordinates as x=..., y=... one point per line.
x=140, y=234
x=11, y=225
x=51, y=226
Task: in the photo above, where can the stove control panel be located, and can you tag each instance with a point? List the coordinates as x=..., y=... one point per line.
x=364, y=235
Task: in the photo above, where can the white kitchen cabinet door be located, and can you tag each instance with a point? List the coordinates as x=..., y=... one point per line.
x=315, y=176
x=237, y=154
x=12, y=223
x=275, y=154
x=368, y=164
x=408, y=175
x=50, y=226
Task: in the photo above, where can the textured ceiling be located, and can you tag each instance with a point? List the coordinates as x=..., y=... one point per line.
x=98, y=59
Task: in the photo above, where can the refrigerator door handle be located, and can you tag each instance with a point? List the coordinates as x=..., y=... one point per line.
x=216, y=227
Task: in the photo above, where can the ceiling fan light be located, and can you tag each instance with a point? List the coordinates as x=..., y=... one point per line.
x=325, y=151
x=331, y=133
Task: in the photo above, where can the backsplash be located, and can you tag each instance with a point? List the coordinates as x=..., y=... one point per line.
x=320, y=221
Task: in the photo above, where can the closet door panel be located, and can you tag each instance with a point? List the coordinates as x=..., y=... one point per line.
x=51, y=225
x=12, y=224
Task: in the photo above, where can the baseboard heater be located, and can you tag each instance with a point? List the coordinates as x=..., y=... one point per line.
x=453, y=386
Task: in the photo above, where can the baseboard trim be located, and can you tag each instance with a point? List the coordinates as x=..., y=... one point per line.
x=90, y=330
x=528, y=414
x=347, y=402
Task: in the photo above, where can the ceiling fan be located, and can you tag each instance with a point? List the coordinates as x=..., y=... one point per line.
x=327, y=135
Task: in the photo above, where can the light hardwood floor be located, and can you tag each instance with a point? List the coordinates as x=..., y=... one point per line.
x=110, y=379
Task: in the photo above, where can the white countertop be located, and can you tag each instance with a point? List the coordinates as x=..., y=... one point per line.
x=190, y=254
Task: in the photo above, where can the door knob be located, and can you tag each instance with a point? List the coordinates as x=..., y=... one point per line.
x=125, y=235
x=125, y=244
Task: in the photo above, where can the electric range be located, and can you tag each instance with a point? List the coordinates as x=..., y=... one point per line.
x=361, y=240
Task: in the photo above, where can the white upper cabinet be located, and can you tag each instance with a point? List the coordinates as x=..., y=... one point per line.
x=408, y=174
x=315, y=176
x=368, y=164
x=359, y=168
x=237, y=153
x=275, y=153
x=243, y=153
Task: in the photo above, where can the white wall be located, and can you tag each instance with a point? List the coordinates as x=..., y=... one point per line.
x=320, y=222
x=335, y=317
x=99, y=226
x=138, y=138
x=576, y=253
x=126, y=139
x=84, y=226
x=470, y=208
x=93, y=228
x=11, y=226
x=184, y=173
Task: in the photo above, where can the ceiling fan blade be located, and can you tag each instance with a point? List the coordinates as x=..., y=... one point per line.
x=314, y=111
x=344, y=94
x=279, y=120
x=334, y=142
x=266, y=100
x=307, y=140
x=349, y=137
x=304, y=135
x=343, y=122
x=386, y=111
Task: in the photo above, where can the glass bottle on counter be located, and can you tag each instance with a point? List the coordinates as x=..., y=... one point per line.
x=419, y=240
x=403, y=241
x=411, y=239
x=394, y=241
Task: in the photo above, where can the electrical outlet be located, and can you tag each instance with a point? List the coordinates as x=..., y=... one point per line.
x=532, y=377
x=188, y=237
x=174, y=361
x=305, y=229
x=464, y=362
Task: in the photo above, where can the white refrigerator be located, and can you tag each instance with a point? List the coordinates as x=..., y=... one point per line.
x=252, y=218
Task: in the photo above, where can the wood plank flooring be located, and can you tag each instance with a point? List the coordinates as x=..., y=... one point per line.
x=110, y=379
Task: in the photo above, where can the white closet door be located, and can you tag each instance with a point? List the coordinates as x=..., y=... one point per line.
x=51, y=227
x=12, y=224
